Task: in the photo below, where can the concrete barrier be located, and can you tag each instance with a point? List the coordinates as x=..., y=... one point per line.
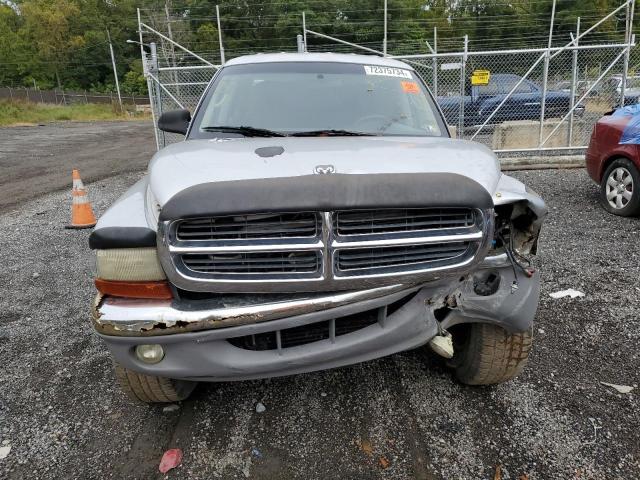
x=541, y=162
x=524, y=134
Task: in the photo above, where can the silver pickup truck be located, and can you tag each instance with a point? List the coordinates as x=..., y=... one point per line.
x=317, y=215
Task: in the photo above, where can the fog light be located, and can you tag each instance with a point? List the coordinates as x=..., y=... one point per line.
x=149, y=353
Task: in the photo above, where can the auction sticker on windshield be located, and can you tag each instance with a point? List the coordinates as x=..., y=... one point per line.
x=410, y=87
x=387, y=71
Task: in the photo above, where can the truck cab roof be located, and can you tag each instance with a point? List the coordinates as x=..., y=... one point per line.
x=318, y=57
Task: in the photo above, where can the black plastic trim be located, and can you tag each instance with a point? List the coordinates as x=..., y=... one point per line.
x=327, y=193
x=122, y=237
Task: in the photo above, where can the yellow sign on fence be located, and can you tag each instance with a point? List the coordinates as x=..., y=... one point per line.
x=480, y=77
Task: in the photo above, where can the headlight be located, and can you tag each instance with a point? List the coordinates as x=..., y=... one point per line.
x=129, y=264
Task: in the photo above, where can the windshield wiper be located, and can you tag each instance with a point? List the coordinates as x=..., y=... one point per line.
x=243, y=130
x=332, y=133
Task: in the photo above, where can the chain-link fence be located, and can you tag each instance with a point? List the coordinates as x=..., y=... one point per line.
x=68, y=97
x=541, y=100
x=177, y=87
x=504, y=100
x=176, y=76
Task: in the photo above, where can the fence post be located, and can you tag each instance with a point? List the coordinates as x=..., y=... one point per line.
x=463, y=75
x=64, y=99
x=384, y=40
x=627, y=40
x=435, y=61
x=220, y=36
x=173, y=49
x=574, y=81
x=11, y=94
x=145, y=70
x=27, y=92
x=153, y=68
x=304, y=30
x=545, y=74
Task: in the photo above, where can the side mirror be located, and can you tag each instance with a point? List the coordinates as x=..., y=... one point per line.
x=175, y=121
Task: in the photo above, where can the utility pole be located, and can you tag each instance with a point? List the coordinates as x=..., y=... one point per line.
x=115, y=71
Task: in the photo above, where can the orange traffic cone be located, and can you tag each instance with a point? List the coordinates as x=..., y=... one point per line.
x=81, y=212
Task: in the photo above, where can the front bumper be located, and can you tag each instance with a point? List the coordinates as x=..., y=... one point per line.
x=210, y=355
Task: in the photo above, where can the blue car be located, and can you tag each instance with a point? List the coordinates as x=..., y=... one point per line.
x=480, y=102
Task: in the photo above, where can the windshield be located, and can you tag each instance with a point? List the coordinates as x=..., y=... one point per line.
x=314, y=98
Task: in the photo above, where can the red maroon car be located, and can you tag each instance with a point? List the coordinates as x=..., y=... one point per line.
x=613, y=160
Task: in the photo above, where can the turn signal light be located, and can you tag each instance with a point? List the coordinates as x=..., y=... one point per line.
x=118, y=288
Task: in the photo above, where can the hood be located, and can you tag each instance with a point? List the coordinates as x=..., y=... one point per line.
x=194, y=162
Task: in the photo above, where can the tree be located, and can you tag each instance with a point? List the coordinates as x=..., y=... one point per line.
x=134, y=81
x=10, y=61
x=48, y=28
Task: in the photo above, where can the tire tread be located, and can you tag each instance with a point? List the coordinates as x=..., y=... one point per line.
x=492, y=355
x=151, y=389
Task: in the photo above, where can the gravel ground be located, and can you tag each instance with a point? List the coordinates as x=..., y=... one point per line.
x=399, y=417
x=39, y=159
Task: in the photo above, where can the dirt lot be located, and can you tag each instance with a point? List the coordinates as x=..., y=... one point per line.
x=37, y=160
x=396, y=418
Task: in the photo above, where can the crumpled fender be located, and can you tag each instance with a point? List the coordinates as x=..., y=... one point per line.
x=528, y=213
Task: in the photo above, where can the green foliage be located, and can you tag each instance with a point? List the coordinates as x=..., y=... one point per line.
x=17, y=113
x=66, y=42
x=134, y=81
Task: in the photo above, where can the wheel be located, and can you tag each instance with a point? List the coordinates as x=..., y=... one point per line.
x=620, y=188
x=486, y=354
x=151, y=389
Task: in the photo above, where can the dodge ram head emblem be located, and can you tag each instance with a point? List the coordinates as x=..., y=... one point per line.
x=324, y=169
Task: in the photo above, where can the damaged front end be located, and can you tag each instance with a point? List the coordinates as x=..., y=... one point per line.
x=359, y=285
x=146, y=317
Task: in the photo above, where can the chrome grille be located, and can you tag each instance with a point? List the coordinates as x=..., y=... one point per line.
x=253, y=263
x=411, y=257
x=255, y=226
x=320, y=251
x=367, y=222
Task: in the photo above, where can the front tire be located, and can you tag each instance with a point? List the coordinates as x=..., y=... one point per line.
x=487, y=354
x=620, y=188
x=151, y=389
